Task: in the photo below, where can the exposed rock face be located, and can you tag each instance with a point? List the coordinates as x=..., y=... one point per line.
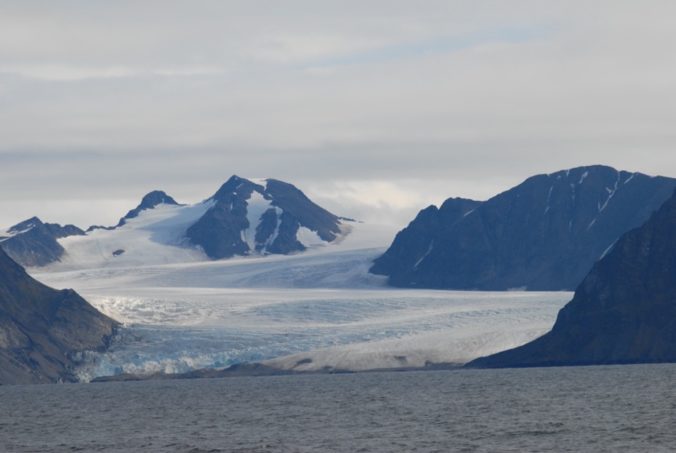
x=544, y=234
x=34, y=243
x=623, y=312
x=248, y=217
x=414, y=244
x=41, y=329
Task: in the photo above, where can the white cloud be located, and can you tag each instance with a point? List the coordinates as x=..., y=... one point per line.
x=351, y=98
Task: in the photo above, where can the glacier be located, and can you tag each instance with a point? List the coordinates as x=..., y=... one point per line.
x=316, y=311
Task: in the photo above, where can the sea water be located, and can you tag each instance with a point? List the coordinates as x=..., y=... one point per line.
x=595, y=409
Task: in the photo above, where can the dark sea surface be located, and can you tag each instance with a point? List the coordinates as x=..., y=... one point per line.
x=596, y=409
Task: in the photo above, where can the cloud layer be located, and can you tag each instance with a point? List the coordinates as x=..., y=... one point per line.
x=379, y=106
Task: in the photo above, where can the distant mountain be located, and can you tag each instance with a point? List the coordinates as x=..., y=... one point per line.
x=34, y=243
x=149, y=201
x=544, y=234
x=42, y=329
x=273, y=217
x=623, y=312
x=242, y=218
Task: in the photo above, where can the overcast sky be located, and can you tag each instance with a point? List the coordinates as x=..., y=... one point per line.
x=374, y=108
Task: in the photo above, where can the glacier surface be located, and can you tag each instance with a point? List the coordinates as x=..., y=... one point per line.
x=319, y=310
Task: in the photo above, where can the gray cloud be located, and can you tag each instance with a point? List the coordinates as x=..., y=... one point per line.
x=372, y=107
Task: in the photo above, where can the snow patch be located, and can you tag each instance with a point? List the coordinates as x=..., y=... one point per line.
x=549, y=198
x=611, y=194
x=260, y=181
x=309, y=238
x=10, y=233
x=273, y=237
x=606, y=251
x=422, y=258
x=257, y=204
x=155, y=236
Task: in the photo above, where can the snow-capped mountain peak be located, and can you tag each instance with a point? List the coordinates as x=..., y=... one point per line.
x=262, y=217
x=243, y=218
x=150, y=201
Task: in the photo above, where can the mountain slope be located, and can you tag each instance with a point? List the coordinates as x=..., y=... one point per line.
x=414, y=243
x=544, y=234
x=41, y=329
x=623, y=312
x=242, y=218
x=149, y=201
x=34, y=243
x=272, y=217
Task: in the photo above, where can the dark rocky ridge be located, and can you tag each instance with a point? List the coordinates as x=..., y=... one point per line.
x=219, y=230
x=34, y=243
x=414, y=243
x=623, y=312
x=544, y=234
x=42, y=329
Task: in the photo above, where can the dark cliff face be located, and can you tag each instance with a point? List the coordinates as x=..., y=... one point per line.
x=414, y=244
x=298, y=206
x=220, y=231
x=41, y=329
x=34, y=243
x=544, y=234
x=623, y=312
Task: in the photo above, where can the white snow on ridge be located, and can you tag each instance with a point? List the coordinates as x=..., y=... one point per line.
x=309, y=238
x=611, y=194
x=273, y=237
x=260, y=181
x=16, y=233
x=156, y=236
x=257, y=204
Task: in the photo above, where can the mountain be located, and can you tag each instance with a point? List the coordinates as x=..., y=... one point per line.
x=544, y=234
x=623, y=312
x=273, y=217
x=242, y=218
x=34, y=243
x=150, y=201
x=42, y=330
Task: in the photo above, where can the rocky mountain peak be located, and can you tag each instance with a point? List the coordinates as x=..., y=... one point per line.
x=149, y=201
x=25, y=225
x=543, y=234
x=248, y=217
x=623, y=312
x=155, y=198
x=236, y=186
